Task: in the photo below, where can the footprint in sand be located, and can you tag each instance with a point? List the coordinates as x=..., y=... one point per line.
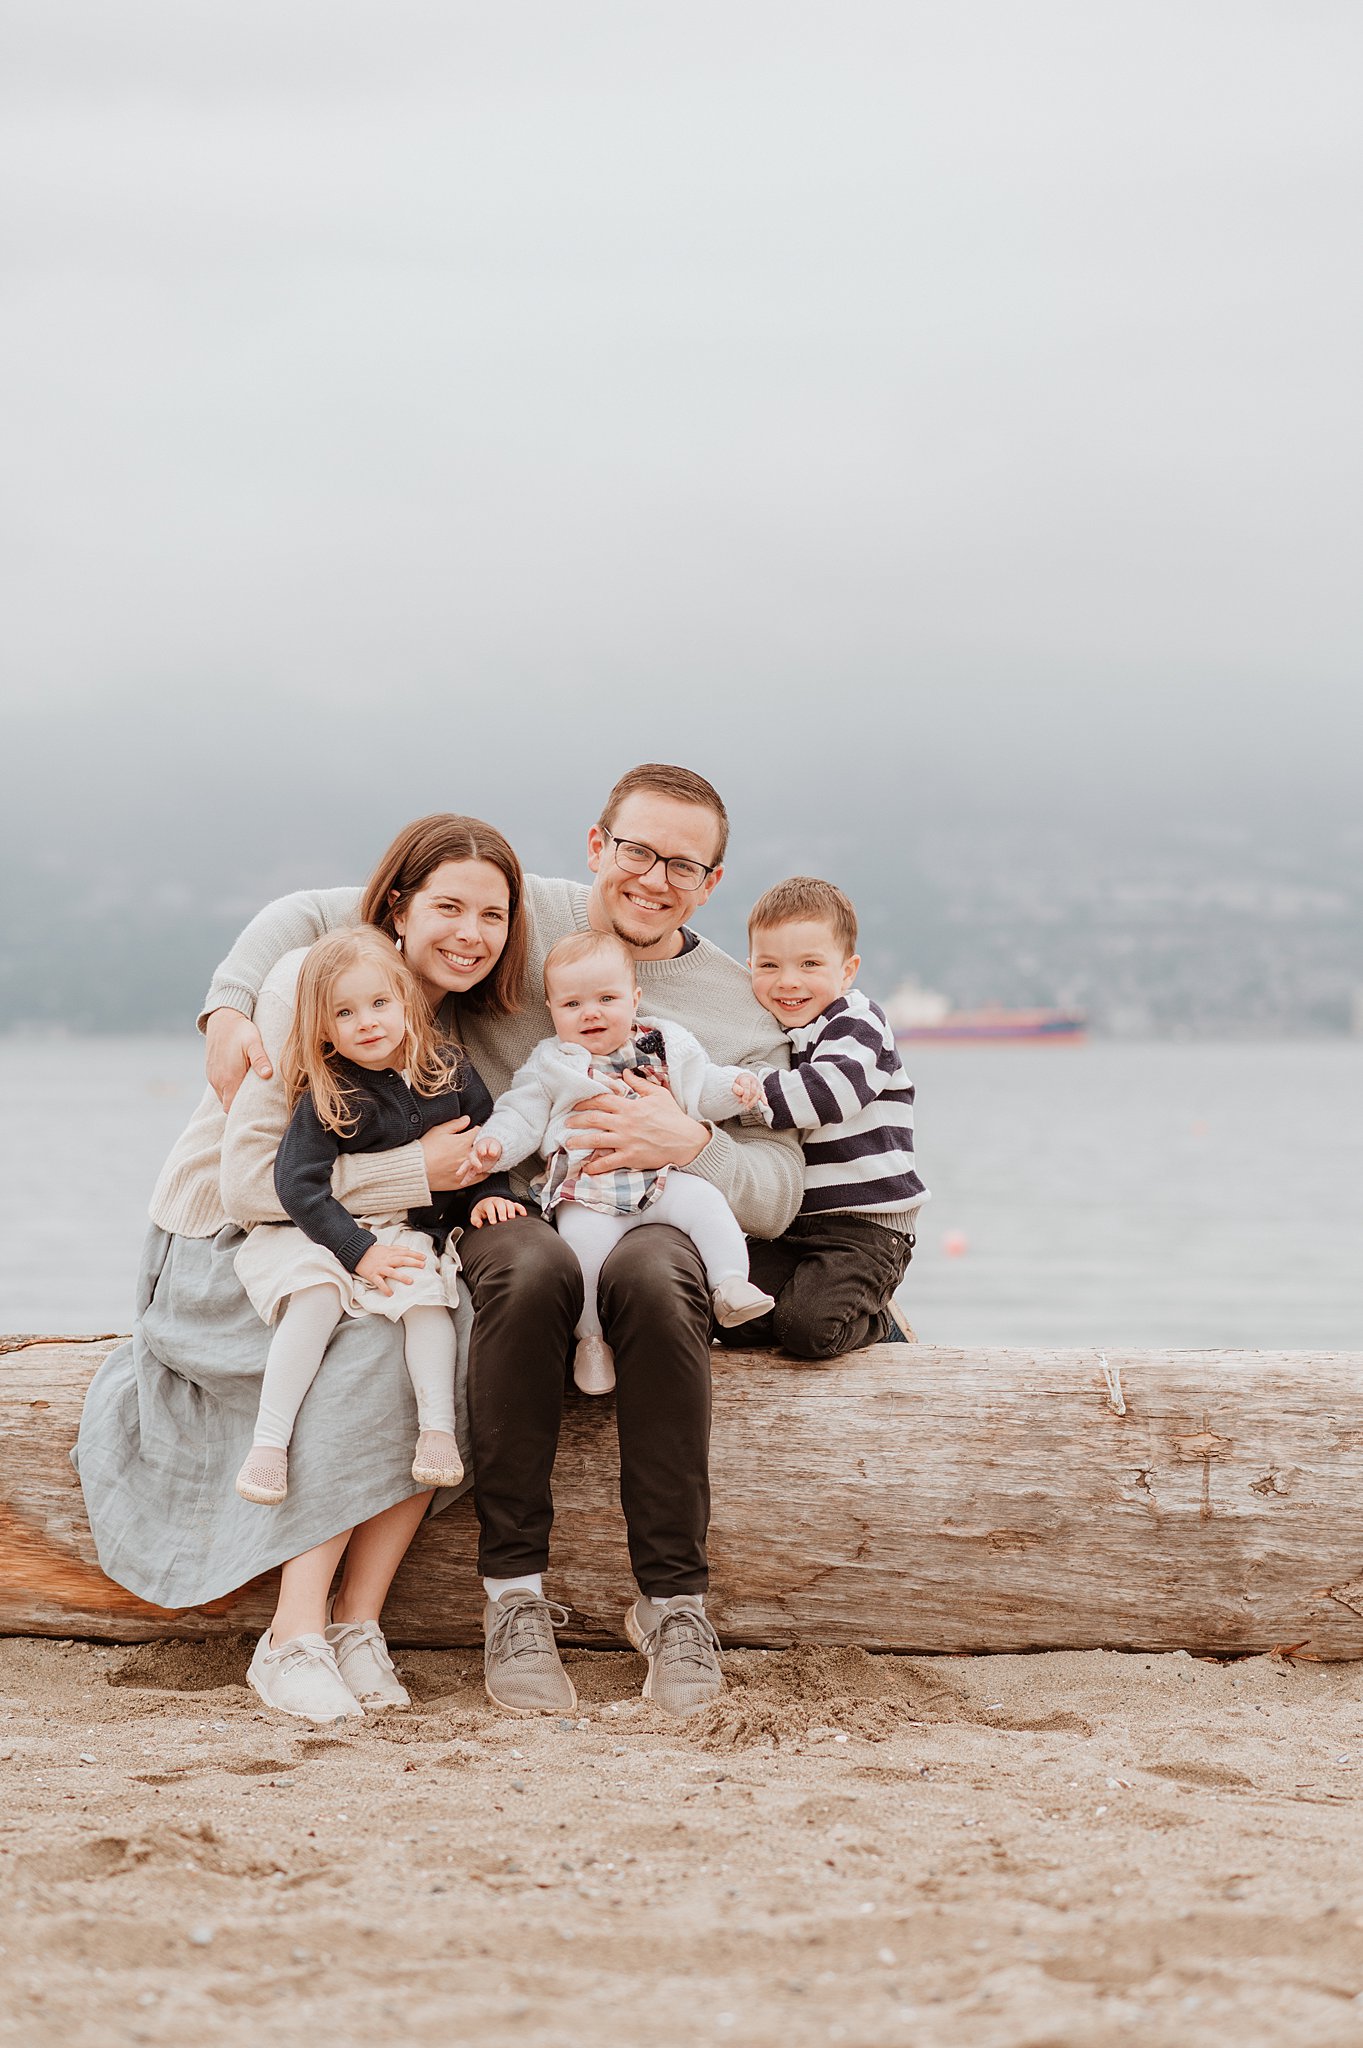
x=186, y=1667
x=104, y=1857
x=1034, y=1724
x=1219, y=1777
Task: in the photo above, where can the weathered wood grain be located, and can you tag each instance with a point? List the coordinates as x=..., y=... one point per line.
x=903, y=1498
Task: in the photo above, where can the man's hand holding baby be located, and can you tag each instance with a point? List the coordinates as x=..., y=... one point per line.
x=640, y=1127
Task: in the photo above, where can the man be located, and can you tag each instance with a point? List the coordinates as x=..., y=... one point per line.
x=656, y=854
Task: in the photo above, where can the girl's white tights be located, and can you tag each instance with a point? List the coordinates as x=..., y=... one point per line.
x=299, y=1346
x=688, y=1204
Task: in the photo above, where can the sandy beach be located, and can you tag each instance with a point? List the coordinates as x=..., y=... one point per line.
x=1064, y=1848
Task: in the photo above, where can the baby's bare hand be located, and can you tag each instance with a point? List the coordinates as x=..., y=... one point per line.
x=747, y=1088
x=483, y=1156
x=495, y=1209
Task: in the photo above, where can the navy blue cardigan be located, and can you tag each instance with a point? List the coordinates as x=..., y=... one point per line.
x=389, y=1114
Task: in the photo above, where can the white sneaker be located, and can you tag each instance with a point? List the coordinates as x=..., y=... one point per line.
x=301, y=1678
x=593, y=1366
x=365, y=1666
x=738, y=1301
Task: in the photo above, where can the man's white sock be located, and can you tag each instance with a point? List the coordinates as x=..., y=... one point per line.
x=528, y=1582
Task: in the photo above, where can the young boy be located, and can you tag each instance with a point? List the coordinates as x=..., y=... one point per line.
x=834, y=1272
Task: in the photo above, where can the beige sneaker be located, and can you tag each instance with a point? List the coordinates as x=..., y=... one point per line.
x=682, y=1650
x=593, y=1366
x=301, y=1678
x=437, y=1461
x=365, y=1666
x=738, y=1301
x=522, y=1672
x=264, y=1478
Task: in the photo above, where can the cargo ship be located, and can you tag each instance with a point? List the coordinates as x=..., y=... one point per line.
x=922, y=1016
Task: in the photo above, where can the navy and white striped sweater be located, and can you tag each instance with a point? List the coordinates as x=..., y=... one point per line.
x=852, y=1103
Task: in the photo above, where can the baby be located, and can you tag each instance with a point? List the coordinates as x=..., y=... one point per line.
x=835, y=1271
x=592, y=991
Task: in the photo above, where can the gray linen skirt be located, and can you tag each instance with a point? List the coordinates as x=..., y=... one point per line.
x=168, y=1420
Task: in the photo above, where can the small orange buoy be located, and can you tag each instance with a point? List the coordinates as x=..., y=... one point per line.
x=954, y=1244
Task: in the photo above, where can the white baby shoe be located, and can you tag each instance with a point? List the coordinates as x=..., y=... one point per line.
x=593, y=1366
x=301, y=1678
x=365, y=1666
x=437, y=1461
x=738, y=1301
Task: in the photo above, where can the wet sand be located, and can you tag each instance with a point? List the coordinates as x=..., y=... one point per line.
x=1066, y=1848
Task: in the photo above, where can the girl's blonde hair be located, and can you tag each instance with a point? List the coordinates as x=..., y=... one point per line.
x=307, y=1062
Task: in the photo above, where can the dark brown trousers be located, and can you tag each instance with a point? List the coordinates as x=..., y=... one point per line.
x=832, y=1277
x=526, y=1288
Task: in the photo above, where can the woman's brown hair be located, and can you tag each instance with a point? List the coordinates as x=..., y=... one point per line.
x=419, y=849
x=306, y=1062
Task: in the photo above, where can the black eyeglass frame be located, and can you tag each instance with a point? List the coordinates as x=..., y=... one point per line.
x=668, y=860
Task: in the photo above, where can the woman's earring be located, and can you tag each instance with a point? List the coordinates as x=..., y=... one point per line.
x=398, y=942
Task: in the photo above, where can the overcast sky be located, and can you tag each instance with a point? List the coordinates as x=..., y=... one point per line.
x=886, y=404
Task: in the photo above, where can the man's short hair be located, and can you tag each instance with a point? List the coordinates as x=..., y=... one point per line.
x=582, y=946
x=804, y=896
x=681, y=784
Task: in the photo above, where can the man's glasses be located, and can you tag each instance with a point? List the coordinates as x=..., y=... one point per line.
x=637, y=859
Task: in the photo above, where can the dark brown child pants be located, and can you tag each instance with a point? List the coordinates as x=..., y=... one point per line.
x=526, y=1288
x=832, y=1277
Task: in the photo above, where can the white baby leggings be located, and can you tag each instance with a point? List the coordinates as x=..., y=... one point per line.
x=299, y=1346
x=688, y=1204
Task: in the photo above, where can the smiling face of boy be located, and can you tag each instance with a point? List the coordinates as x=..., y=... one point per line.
x=593, y=1001
x=798, y=969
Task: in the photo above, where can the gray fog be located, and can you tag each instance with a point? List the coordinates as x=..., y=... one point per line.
x=936, y=423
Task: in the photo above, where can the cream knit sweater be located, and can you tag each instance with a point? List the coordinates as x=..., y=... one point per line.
x=759, y=1172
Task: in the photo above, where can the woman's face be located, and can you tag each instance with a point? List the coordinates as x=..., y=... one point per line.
x=455, y=925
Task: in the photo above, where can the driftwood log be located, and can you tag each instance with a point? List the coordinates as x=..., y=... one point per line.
x=904, y=1499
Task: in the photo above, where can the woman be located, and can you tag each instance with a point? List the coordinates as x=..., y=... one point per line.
x=168, y=1416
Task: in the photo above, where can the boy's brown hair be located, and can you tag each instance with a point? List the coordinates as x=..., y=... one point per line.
x=804, y=896
x=581, y=946
x=681, y=784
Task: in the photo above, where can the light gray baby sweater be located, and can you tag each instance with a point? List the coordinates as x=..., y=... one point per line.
x=532, y=1115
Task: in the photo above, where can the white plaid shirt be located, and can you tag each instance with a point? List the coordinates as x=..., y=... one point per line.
x=626, y=1189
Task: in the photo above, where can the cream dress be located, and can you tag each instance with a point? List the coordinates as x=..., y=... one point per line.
x=278, y=1259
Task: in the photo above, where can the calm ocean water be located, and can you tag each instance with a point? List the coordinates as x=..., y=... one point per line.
x=1107, y=1194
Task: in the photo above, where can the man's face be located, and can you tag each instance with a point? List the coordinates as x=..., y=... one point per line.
x=647, y=911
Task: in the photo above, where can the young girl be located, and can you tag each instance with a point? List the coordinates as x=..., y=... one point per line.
x=364, y=1068
x=603, y=1045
